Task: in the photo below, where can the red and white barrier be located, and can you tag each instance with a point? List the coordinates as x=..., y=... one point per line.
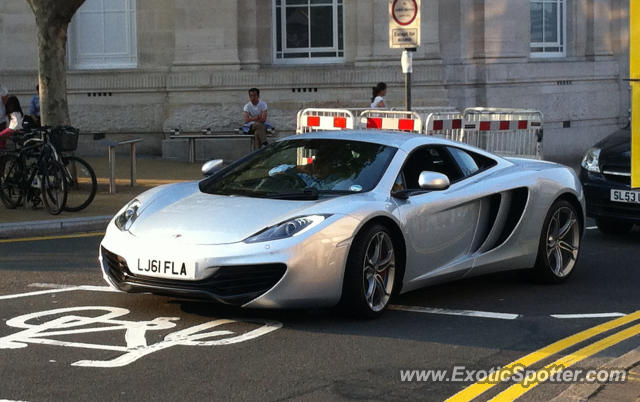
x=324, y=120
x=375, y=119
x=507, y=132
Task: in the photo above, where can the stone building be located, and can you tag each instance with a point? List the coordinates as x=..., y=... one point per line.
x=146, y=66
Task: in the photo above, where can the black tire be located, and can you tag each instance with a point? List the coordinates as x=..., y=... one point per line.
x=359, y=298
x=11, y=177
x=81, y=186
x=560, y=242
x=613, y=226
x=53, y=186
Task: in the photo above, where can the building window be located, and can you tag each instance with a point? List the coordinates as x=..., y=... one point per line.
x=308, y=31
x=102, y=35
x=548, y=28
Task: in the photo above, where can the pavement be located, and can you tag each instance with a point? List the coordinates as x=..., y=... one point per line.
x=151, y=172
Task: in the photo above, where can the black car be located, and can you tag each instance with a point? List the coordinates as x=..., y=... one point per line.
x=606, y=178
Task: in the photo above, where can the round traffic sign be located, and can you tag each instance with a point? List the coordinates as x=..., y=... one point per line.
x=404, y=12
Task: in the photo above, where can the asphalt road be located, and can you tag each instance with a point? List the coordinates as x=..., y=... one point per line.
x=103, y=345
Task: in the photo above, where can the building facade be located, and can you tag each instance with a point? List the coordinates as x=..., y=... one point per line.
x=147, y=66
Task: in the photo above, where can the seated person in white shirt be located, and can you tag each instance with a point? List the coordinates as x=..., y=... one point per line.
x=254, y=115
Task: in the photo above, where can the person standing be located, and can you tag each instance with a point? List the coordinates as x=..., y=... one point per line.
x=255, y=118
x=379, y=92
x=15, y=115
x=34, y=107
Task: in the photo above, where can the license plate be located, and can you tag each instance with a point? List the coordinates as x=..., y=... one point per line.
x=631, y=197
x=160, y=268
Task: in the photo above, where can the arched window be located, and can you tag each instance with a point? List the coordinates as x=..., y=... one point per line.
x=548, y=28
x=308, y=31
x=102, y=34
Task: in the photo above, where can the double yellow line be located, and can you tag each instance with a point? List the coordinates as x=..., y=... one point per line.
x=519, y=389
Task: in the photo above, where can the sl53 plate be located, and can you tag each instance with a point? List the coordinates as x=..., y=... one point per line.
x=164, y=268
x=631, y=197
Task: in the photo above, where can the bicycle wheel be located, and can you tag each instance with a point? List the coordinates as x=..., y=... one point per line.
x=11, y=176
x=53, y=186
x=82, y=184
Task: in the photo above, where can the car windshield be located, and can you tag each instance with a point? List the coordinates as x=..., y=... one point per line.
x=304, y=169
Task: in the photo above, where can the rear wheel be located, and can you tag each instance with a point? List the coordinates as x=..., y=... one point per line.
x=370, y=273
x=11, y=176
x=559, y=243
x=53, y=186
x=613, y=226
x=82, y=184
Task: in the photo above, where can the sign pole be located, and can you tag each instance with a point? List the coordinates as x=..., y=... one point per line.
x=634, y=72
x=404, y=33
x=407, y=69
x=407, y=90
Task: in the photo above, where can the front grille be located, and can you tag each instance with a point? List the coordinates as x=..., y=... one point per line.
x=232, y=285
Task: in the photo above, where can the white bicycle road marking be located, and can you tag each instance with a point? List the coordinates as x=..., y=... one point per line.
x=78, y=320
x=466, y=313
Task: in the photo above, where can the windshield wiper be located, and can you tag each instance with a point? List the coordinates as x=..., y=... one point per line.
x=308, y=193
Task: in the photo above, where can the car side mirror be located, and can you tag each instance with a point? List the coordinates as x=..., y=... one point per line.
x=433, y=181
x=211, y=166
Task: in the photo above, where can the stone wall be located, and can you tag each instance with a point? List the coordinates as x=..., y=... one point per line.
x=196, y=60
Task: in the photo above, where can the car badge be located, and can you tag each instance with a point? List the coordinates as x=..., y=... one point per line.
x=177, y=236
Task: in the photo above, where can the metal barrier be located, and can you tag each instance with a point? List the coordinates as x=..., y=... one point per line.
x=506, y=132
x=444, y=124
x=324, y=120
x=378, y=119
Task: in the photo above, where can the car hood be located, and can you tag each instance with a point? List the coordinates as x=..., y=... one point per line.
x=186, y=214
x=616, y=149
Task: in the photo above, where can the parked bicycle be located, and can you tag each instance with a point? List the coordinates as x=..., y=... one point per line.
x=82, y=184
x=79, y=177
x=33, y=173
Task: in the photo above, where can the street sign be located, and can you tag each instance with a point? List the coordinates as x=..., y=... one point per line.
x=404, y=24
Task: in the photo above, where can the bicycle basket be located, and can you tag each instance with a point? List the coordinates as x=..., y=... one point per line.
x=65, y=139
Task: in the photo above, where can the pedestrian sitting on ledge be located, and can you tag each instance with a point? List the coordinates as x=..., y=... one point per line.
x=255, y=119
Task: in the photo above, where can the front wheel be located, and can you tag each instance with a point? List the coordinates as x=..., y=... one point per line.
x=82, y=184
x=559, y=243
x=53, y=186
x=370, y=273
x=11, y=176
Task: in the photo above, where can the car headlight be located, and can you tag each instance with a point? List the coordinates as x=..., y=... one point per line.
x=290, y=228
x=591, y=160
x=128, y=216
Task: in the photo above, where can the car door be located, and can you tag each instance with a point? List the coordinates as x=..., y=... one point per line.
x=440, y=225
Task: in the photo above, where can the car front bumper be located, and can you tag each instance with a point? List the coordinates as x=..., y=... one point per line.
x=289, y=273
x=597, y=189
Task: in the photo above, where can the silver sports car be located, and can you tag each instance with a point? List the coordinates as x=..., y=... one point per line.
x=347, y=218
